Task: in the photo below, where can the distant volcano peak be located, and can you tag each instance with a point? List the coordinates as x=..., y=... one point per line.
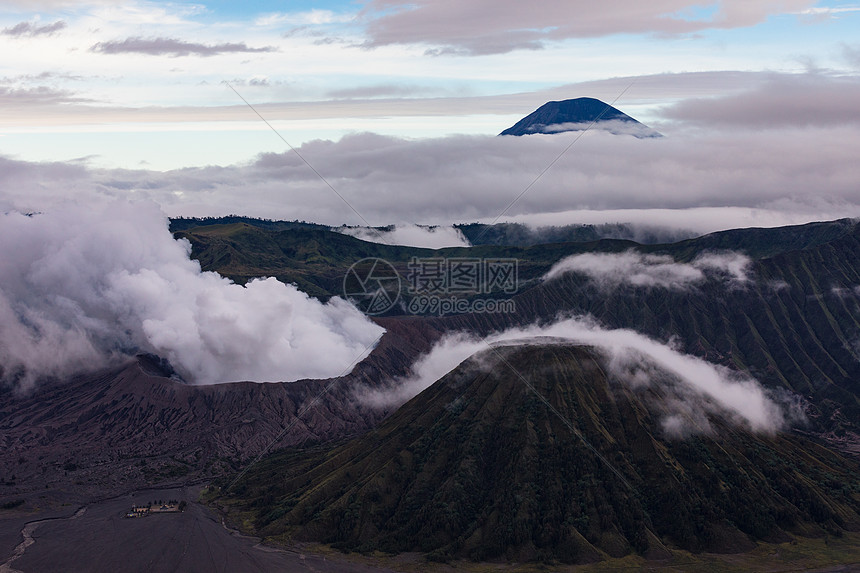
x=579, y=114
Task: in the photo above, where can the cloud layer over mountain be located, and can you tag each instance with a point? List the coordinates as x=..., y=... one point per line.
x=610, y=270
x=783, y=174
x=410, y=236
x=633, y=358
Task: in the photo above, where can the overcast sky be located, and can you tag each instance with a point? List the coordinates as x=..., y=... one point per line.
x=397, y=105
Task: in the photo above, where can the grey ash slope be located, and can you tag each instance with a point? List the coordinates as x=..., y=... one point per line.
x=579, y=114
x=133, y=426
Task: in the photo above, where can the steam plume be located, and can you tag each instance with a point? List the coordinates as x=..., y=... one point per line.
x=81, y=288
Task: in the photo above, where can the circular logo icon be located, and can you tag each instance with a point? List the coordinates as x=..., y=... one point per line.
x=373, y=285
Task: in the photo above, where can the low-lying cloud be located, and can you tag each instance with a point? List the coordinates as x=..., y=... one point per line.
x=82, y=288
x=611, y=270
x=173, y=47
x=782, y=153
x=783, y=100
x=445, y=355
x=31, y=29
x=704, y=388
x=671, y=225
x=768, y=176
x=17, y=97
x=613, y=126
x=428, y=237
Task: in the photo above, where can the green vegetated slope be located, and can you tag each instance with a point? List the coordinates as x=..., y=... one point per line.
x=759, y=242
x=313, y=259
x=478, y=467
x=794, y=325
x=185, y=223
x=317, y=260
x=303, y=253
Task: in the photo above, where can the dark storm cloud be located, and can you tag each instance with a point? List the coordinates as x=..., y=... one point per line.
x=173, y=47
x=477, y=27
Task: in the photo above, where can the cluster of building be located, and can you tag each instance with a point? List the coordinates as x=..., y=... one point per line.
x=167, y=507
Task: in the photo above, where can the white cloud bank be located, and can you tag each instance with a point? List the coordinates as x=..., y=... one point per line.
x=435, y=237
x=611, y=270
x=633, y=358
x=83, y=287
x=688, y=222
x=697, y=181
